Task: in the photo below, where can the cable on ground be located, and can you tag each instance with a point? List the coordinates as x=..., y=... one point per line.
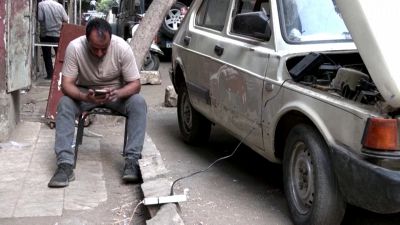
x=236, y=148
x=134, y=211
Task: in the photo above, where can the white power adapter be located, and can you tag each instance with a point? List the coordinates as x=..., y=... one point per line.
x=164, y=199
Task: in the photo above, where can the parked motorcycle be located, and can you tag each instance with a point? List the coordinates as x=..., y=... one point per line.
x=152, y=60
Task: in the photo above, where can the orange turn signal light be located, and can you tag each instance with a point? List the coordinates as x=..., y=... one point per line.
x=381, y=134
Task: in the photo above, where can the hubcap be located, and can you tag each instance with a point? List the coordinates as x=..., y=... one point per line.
x=174, y=18
x=302, y=176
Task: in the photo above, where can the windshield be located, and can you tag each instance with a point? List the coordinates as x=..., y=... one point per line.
x=310, y=20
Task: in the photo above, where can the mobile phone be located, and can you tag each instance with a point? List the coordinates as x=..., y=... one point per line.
x=99, y=93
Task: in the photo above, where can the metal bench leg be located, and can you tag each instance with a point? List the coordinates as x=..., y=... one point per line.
x=125, y=136
x=79, y=136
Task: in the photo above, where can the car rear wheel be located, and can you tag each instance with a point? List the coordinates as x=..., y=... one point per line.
x=194, y=127
x=309, y=182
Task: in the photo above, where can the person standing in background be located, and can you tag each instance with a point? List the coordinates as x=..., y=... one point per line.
x=51, y=15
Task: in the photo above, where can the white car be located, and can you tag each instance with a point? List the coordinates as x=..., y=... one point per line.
x=313, y=85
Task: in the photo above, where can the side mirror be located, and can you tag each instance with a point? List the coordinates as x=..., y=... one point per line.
x=253, y=24
x=114, y=10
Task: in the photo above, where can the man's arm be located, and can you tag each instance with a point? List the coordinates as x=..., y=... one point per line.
x=130, y=71
x=65, y=17
x=70, y=89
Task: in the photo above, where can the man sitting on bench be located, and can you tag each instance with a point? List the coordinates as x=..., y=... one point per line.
x=99, y=70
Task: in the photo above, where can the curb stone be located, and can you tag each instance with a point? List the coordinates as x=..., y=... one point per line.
x=155, y=184
x=167, y=216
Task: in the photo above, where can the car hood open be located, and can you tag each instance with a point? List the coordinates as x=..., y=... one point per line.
x=374, y=27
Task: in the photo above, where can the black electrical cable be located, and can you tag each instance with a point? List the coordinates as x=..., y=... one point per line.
x=212, y=164
x=237, y=147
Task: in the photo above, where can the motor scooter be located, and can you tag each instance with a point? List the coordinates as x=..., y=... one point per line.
x=151, y=61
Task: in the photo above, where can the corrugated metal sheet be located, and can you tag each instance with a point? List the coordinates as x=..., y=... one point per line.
x=18, y=44
x=3, y=70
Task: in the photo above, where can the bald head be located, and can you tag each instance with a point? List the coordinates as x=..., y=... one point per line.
x=100, y=25
x=98, y=34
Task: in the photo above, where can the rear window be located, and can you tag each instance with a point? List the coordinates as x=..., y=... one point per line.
x=212, y=14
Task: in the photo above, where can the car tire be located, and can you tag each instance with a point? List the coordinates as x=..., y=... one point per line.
x=194, y=127
x=151, y=62
x=309, y=183
x=172, y=20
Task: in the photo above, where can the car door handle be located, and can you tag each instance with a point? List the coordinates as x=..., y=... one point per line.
x=186, y=40
x=218, y=50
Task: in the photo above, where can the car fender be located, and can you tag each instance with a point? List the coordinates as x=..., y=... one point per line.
x=308, y=112
x=177, y=62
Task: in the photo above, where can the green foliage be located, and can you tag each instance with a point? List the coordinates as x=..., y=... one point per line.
x=104, y=5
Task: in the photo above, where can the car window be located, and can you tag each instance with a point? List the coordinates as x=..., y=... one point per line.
x=245, y=6
x=212, y=14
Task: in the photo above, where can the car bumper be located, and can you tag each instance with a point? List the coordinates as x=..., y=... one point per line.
x=364, y=184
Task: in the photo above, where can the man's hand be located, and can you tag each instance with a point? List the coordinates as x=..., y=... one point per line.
x=114, y=95
x=70, y=89
x=102, y=96
x=99, y=97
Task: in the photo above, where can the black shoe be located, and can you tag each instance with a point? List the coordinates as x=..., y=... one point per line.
x=63, y=175
x=131, y=171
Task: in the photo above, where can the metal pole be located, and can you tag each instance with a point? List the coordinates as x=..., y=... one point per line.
x=80, y=12
x=75, y=6
x=70, y=11
x=32, y=35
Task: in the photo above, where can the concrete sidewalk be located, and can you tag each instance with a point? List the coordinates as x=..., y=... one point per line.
x=97, y=196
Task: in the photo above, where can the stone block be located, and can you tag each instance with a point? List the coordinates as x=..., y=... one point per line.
x=167, y=215
x=170, y=97
x=152, y=168
x=149, y=148
x=156, y=188
x=150, y=77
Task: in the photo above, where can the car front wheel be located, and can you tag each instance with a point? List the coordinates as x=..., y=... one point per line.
x=173, y=19
x=194, y=127
x=309, y=182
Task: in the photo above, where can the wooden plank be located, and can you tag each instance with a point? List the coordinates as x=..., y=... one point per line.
x=68, y=33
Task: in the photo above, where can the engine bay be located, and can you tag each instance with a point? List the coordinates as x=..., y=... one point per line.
x=342, y=75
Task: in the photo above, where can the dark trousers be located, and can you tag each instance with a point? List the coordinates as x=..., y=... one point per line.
x=48, y=63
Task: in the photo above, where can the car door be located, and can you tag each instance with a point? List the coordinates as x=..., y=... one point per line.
x=205, y=29
x=230, y=69
x=236, y=87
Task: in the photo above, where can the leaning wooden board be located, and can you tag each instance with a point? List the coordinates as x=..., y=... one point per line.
x=68, y=33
